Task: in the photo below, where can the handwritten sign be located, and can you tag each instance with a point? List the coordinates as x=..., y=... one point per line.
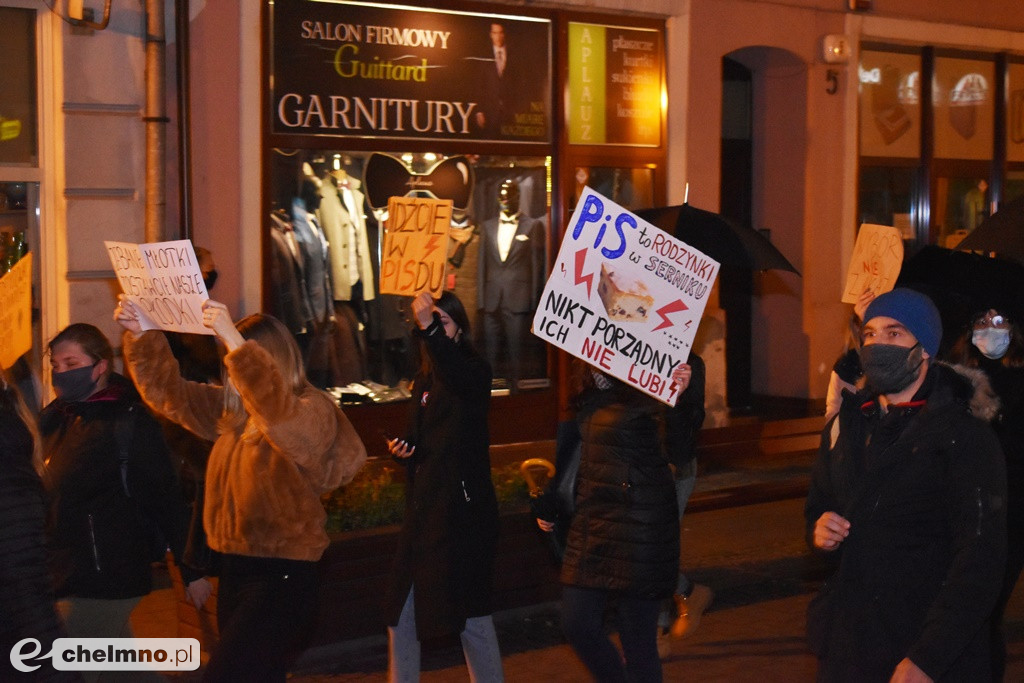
x=625, y=296
x=876, y=262
x=163, y=280
x=415, y=245
x=16, y=311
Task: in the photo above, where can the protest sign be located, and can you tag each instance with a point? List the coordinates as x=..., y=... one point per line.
x=625, y=296
x=415, y=245
x=16, y=311
x=876, y=261
x=164, y=282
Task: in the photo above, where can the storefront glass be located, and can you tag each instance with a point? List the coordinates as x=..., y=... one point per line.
x=18, y=135
x=326, y=239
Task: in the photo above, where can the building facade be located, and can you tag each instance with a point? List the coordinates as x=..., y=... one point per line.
x=783, y=114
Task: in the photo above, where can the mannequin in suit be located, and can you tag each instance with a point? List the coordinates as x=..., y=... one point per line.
x=511, y=271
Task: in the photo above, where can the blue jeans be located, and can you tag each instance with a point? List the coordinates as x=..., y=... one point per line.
x=479, y=647
x=583, y=612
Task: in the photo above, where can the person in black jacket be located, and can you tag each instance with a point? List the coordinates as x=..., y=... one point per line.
x=623, y=542
x=26, y=594
x=908, y=497
x=114, y=497
x=994, y=344
x=441, y=581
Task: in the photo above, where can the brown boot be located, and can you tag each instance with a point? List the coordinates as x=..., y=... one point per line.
x=690, y=609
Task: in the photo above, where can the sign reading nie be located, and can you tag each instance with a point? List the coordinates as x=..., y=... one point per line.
x=876, y=261
x=164, y=282
x=372, y=70
x=625, y=296
x=415, y=246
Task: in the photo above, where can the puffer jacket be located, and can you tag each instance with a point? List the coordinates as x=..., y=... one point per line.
x=105, y=530
x=923, y=486
x=624, y=535
x=264, y=481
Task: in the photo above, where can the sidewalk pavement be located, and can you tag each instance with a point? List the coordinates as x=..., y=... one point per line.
x=754, y=558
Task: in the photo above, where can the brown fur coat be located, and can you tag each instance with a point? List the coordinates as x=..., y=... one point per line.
x=263, y=482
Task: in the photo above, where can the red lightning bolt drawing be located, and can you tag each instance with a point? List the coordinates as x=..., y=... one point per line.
x=673, y=307
x=581, y=259
x=432, y=244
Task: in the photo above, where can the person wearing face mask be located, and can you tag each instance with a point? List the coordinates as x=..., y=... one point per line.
x=443, y=568
x=994, y=345
x=907, y=500
x=113, y=493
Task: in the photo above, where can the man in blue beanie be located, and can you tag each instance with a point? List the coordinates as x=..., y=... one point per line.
x=908, y=501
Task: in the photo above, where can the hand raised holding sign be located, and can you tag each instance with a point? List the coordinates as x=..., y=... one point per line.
x=217, y=318
x=423, y=309
x=128, y=317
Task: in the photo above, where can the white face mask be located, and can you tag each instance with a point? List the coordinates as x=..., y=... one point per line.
x=992, y=341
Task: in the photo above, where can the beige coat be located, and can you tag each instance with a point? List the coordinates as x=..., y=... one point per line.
x=263, y=482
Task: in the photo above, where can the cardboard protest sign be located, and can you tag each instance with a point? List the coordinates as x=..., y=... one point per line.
x=876, y=262
x=415, y=245
x=16, y=311
x=163, y=280
x=625, y=296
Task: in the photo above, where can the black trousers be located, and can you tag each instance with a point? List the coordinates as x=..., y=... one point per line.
x=265, y=610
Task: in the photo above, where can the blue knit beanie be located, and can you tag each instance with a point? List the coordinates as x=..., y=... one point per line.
x=913, y=310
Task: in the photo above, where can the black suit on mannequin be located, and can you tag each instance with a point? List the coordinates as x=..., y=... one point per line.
x=509, y=289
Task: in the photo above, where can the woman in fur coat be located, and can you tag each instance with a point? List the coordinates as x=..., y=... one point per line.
x=441, y=582
x=279, y=443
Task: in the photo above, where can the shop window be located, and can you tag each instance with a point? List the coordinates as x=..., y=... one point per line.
x=890, y=104
x=961, y=199
x=357, y=341
x=964, y=108
x=18, y=139
x=886, y=197
x=1015, y=113
x=19, y=236
x=630, y=188
x=1014, y=187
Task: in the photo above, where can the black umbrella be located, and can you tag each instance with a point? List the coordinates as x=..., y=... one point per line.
x=963, y=284
x=727, y=242
x=1001, y=233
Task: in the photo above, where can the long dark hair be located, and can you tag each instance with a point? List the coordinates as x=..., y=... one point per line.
x=452, y=306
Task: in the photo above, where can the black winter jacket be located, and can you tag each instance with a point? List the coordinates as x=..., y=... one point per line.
x=449, y=537
x=26, y=594
x=923, y=487
x=102, y=537
x=624, y=535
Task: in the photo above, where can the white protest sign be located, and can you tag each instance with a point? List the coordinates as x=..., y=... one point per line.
x=876, y=261
x=625, y=296
x=164, y=282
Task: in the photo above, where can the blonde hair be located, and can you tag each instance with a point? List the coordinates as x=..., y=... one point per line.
x=28, y=418
x=274, y=338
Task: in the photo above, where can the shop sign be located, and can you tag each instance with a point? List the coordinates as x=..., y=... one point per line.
x=164, y=282
x=350, y=69
x=16, y=311
x=625, y=296
x=615, y=88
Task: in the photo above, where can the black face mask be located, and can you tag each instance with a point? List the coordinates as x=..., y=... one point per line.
x=74, y=385
x=209, y=279
x=889, y=368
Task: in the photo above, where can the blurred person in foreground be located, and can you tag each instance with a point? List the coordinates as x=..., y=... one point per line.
x=442, y=576
x=26, y=591
x=993, y=344
x=908, y=496
x=279, y=443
